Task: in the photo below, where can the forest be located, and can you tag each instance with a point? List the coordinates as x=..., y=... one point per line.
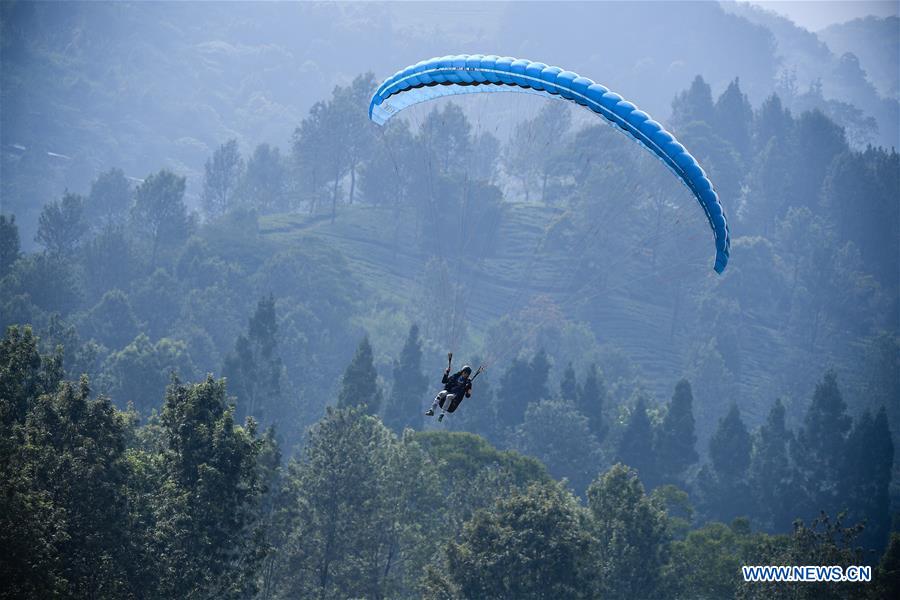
x=223, y=396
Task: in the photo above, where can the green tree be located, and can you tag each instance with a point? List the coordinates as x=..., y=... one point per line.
x=111, y=322
x=265, y=181
x=881, y=377
x=361, y=131
x=383, y=179
x=159, y=212
x=48, y=281
x=723, y=485
x=734, y=118
x=109, y=262
x=62, y=226
x=818, y=450
x=770, y=189
x=73, y=453
x=9, y=243
x=138, y=373
x=156, y=299
x=559, y=436
x=887, y=574
x=534, y=150
x=591, y=398
x=524, y=382
x=707, y=563
x=635, y=448
x=693, y=104
x=465, y=458
x=771, y=473
x=568, y=385
x=632, y=534
x=359, y=492
x=332, y=140
x=403, y=408
x=24, y=375
x=773, y=120
x=865, y=478
x=109, y=201
x=206, y=502
x=822, y=542
x=275, y=513
x=675, y=438
x=254, y=369
x=29, y=522
x=858, y=193
x=359, y=385
x=530, y=545
x=818, y=141
x=222, y=175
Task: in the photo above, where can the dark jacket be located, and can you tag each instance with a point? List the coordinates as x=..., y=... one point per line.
x=457, y=384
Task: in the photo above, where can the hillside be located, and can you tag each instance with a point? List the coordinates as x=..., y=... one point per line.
x=636, y=318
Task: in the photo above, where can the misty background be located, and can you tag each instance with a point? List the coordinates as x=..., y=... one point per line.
x=228, y=298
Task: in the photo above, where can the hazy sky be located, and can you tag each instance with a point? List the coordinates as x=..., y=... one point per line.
x=816, y=14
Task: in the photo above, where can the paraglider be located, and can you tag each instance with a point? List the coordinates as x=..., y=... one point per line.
x=465, y=74
x=456, y=387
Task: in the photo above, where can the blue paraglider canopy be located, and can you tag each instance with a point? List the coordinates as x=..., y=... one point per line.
x=473, y=73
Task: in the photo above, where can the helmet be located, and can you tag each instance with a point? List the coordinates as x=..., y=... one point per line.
x=466, y=369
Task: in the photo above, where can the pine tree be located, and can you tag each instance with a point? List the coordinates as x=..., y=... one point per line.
x=723, y=486
x=693, y=104
x=511, y=395
x=866, y=477
x=818, y=141
x=636, y=446
x=591, y=401
x=771, y=474
x=818, y=450
x=403, y=408
x=675, y=438
x=772, y=121
x=254, y=369
x=730, y=446
x=568, y=385
x=9, y=243
x=110, y=198
x=523, y=383
x=62, y=226
x=359, y=385
x=538, y=374
x=734, y=118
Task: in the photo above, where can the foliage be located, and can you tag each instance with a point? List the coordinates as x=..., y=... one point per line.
x=255, y=370
x=632, y=535
x=159, y=212
x=542, y=528
x=223, y=173
x=359, y=385
x=403, y=406
x=360, y=493
x=62, y=225
x=559, y=436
